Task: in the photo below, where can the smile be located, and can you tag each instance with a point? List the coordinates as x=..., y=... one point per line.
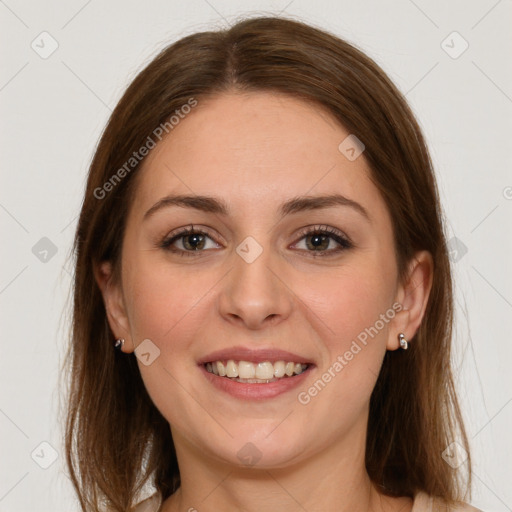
x=262, y=372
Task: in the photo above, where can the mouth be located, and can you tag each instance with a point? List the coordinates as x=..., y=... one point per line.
x=262, y=372
x=255, y=374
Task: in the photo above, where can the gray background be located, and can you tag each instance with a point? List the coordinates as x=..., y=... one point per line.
x=54, y=108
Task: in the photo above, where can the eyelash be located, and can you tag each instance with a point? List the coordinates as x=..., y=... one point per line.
x=337, y=236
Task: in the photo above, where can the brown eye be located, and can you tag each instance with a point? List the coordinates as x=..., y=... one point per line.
x=194, y=241
x=318, y=241
x=321, y=241
x=187, y=242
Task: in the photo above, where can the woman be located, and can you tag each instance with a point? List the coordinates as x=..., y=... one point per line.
x=261, y=239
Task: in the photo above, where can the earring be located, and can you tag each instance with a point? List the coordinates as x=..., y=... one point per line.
x=403, y=341
x=118, y=344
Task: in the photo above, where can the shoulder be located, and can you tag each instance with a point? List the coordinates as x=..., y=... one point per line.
x=151, y=504
x=425, y=503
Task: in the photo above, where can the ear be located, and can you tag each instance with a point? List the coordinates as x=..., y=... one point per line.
x=114, y=304
x=413, y=297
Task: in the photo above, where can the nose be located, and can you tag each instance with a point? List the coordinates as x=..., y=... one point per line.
x=255, y=293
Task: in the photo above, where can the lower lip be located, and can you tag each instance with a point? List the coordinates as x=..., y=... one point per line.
x=256, y=391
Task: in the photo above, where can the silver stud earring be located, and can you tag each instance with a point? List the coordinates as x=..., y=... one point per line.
x=403, y=341
x=118, y=344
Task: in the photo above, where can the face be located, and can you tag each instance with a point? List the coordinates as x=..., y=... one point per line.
x=259, y=279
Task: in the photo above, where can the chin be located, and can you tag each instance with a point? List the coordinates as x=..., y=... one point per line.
x=256, y=449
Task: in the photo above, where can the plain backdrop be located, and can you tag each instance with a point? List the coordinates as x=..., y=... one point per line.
x=64, y=65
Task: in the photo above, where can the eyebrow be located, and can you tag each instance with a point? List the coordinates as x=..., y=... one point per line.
x=297, y=204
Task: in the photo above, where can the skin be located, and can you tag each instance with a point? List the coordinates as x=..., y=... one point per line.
x=255, y=151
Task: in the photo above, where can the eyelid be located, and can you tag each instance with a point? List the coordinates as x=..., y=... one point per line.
x=195, y=228
x=323, y=228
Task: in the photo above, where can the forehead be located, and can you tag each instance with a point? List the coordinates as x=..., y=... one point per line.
x=255, y=149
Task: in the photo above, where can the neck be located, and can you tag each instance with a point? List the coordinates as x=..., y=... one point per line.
x=334, y=478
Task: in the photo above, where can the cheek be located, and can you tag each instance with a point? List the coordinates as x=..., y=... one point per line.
x=165, y=306
x=350, y=302
x=355, y=309
x=161, y=297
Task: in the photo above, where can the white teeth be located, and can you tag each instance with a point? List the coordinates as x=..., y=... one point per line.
x=231, y=369
x=246, y=371
x=279, y=369
x=221, y=369
x=265, y=370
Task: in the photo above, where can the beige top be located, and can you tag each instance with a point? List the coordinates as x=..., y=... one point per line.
x=422, y=503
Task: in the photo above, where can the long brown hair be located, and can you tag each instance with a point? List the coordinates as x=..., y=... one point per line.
x=116, y=439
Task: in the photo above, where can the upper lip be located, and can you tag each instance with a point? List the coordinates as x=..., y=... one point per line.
x=254, y=355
